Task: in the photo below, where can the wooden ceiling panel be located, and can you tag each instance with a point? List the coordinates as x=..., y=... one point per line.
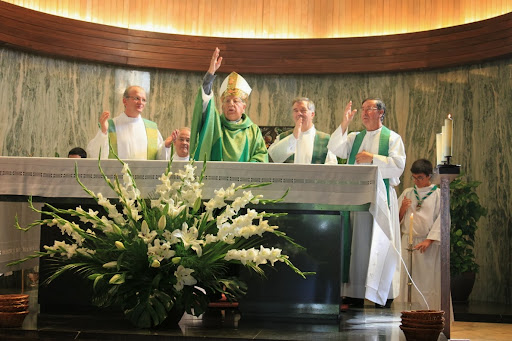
x=68, y=38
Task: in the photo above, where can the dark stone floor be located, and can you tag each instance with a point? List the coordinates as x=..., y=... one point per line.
x=366, y=323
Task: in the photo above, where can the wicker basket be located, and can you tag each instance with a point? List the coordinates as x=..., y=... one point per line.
x=432, y=315
x=13, y=307
x=12, y=319
x=415, y=334
x=419, y=325
x=13, y=298
x=406, y=321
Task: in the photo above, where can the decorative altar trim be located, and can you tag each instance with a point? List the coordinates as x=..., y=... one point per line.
x=315, y=184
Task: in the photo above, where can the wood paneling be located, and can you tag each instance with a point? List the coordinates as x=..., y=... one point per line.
x=49, y=34
x=275, y=18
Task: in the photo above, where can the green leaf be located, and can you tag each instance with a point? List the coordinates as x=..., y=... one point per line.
x=159, y=308
x=465, y=211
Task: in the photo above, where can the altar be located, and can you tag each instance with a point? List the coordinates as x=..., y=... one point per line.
x=318, y=195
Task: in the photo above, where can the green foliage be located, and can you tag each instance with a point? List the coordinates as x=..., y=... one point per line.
x=465, y=211
x=151, y=257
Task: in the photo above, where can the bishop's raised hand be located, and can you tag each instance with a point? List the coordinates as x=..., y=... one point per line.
x=215, y=62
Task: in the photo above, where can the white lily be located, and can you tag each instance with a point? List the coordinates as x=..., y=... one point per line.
x=189, y=238
x=146, y=235
x=183, y=277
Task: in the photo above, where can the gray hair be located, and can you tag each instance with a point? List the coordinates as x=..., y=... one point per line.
x=379, y=103
x=310, y=103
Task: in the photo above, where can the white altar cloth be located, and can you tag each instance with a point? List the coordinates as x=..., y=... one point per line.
x=338, y=185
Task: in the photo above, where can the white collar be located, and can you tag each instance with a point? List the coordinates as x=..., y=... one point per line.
x=374, y=132
x=311, y=130
x=126, y=118
x=176, y=157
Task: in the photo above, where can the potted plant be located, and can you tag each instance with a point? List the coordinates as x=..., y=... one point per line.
x=465, y=212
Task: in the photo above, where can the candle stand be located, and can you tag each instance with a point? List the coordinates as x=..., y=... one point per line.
x=409, y=281
x=444, y=174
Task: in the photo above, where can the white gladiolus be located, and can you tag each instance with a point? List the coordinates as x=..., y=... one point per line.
x=256, y=199
x=68, y=250
x=240, y=202
x=85, y=252
x=210, y=238
x=255, y=256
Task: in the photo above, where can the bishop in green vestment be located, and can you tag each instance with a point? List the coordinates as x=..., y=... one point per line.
x=231, y=136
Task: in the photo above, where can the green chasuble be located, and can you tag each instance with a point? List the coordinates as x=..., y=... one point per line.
x=213, y=138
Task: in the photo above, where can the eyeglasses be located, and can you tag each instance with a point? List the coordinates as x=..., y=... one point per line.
x=136, y=99
x=368, y=109
x=418, y=178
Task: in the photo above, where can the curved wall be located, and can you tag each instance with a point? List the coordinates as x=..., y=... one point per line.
x=51, y=104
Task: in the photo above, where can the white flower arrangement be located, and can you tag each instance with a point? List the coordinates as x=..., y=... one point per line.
x=149, y=256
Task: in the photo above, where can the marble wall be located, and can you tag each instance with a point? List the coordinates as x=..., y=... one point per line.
x=51, y=105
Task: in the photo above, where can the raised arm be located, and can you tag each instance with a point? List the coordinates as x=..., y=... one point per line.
x=215, y=62
x=348, y=116
x=208, y=79
x=104, y=121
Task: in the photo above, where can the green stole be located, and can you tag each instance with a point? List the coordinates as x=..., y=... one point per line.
x=319, y=147
x=151, y=134
x=385, y=134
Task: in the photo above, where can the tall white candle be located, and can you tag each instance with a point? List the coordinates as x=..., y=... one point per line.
x=439, y=148
x=448, y=136
x=411, y=223
x=443, y=134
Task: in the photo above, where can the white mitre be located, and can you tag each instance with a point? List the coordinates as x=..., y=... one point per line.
x=235, y=85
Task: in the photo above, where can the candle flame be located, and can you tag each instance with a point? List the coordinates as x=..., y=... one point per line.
x=449, y=116
x=412, y=215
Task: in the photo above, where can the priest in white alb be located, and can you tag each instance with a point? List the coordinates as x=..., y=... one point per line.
x=130, y=135
x=374, y=270
x=303, y=144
